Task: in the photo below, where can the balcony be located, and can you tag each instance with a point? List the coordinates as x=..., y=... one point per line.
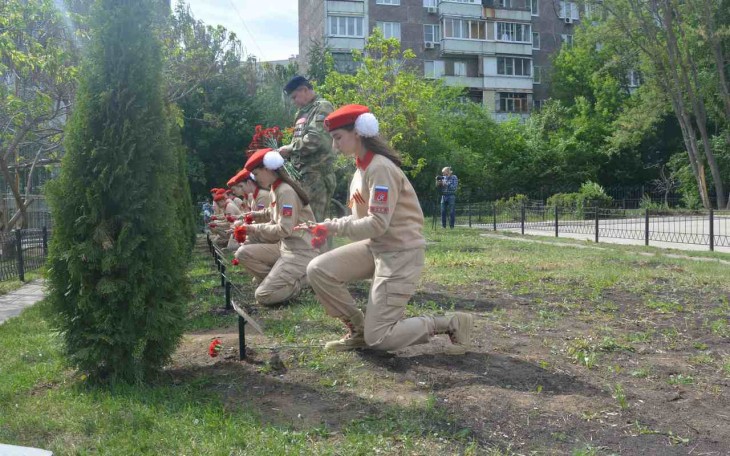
x=463, y=81
x=460, y=9
x=513, y=15
x=507, y=83
x=347, y=7
x=483, y=47
x=337, y=43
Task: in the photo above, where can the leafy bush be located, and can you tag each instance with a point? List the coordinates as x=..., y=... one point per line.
x=512, y=206
x=590, y=195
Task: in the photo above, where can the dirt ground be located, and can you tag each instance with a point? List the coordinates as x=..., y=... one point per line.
x=519, y=389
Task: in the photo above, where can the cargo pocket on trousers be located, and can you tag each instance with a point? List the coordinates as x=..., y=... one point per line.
x=397, y=296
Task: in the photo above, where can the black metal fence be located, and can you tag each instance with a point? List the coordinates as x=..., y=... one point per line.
x=701, y=227
x=22, y=251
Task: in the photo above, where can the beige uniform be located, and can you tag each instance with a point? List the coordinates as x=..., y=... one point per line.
x=220, y=235
x=387, y=223
x=259, y=199
x=242, y=203
x=278, y=255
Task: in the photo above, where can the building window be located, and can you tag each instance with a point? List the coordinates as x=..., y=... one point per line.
x=567, y=39
x=465, y=29
x=347, y=26
x=459, y=68
x=634, y=78
x=535, y=40
x=388, y=2
x=513, y=66
x=536, y=76
x=433, y=69
x=464, y=1
x=389, y=29
x=505, y=3
x=569, y=10
x=537, y=104
x=534, y=7
x=512, y=31
x=431, y=33
x=513, y=102
x=429, y=3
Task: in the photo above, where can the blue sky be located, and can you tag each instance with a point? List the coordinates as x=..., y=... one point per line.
x=267, y=28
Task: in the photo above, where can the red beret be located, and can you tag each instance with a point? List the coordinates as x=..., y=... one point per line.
x=241, y=176
x=344, y=116
x=219, y=196
x=215, y=190
x=257, y=159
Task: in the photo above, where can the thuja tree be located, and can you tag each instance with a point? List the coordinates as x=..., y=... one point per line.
x=116, y=278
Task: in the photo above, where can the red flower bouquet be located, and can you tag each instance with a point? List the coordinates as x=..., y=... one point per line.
x=239, y=234
x=319, y=236
x=235, y=262
x=215, y=347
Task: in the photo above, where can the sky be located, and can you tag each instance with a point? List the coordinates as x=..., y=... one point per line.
x=267, y=28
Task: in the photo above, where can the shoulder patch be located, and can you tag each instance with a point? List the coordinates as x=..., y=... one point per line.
x=381, y=194
x=286, y=210
x=259, y=206
x=379, y=209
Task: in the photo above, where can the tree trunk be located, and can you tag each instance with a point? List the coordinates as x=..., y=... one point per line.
x=688, y=68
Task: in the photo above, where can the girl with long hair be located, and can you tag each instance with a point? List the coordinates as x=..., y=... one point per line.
x=386, y=225
x=279, y=256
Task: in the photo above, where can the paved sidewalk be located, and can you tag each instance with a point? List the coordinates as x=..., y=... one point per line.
x=13, y=303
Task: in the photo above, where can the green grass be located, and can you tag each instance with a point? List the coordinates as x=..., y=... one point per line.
x=615, y=301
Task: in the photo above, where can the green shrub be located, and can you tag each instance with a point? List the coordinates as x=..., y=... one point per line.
x=590, y=195
x=118, y=254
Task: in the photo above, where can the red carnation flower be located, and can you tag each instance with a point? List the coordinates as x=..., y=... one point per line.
x=235, y=262
x=212, y=225
x=320, y=231
x=248, y=219
x=239, y=233
x=214, y=217
x=215, y=347
x=230, y=218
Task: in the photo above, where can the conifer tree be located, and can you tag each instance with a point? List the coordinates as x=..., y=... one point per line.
x=116, y=278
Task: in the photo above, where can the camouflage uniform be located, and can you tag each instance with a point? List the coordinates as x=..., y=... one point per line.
x=312, y=155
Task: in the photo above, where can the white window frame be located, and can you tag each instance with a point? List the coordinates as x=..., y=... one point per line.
x=461, y=65
x=436, y=71
x=569, y=9
x=464, y=25
x=435, y=33
x=504, y=3
x=389, y=29
x=566, y=38
x=536, y=35
x=508, y=66
x=430, y=3
x=342, y=21
x=388, y=2
x=524, y=101
x=536, y=10
x=510, y=31
x=536, y=74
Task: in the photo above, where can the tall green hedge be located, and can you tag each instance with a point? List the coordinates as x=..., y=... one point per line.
x=117, y=261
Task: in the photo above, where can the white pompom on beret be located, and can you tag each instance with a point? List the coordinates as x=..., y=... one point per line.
x=366, y=125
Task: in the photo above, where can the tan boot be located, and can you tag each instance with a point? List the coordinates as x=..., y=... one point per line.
x=355, y=337
x=458, y=327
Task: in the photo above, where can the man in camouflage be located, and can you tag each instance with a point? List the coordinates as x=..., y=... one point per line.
x=310, y=151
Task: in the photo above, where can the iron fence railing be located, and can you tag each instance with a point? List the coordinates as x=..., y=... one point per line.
x=22, y=251
x=701, y=227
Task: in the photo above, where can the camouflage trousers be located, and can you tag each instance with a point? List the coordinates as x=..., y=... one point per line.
x=320, y=186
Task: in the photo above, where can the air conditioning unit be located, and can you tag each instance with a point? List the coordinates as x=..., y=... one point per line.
x=432, y=10
x=568, y=20
x=429, y=44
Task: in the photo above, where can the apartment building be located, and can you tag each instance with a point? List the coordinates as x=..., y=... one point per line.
x=499, y=50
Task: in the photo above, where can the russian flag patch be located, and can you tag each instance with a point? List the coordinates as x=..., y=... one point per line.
x=259, y=206
x=381, y=194
x=286, y=211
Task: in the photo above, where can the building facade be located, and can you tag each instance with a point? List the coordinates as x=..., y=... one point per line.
x=499, y=50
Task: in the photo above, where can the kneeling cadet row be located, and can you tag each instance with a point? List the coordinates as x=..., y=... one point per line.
x=385, y=225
